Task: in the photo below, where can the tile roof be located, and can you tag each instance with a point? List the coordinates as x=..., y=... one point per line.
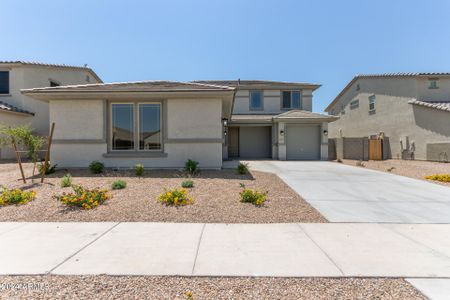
x=384, y=75
x=259, y=83
x=444, y=105
x=32, y=63
x=10, y=108
x=150, y=86
x=303, y=114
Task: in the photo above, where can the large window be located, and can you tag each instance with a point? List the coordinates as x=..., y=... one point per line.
x=256, y=100
x=291, y=100
x=126, y=118
x=4, y=82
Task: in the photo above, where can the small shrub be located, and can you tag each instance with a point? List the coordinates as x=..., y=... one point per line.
x=251, y=196
x=242, y=168
x=360, y=163
x=191, y=166
x=187, y=184
x=175, y=197
x=84, y=198
x=66, y=181
x=96, y=167
x=49, y=169
x=390, y=169
x=339, y=160
x=439, y=177
x=119, y=184
x=139, y=169
x=189, y=296
x=15, y=196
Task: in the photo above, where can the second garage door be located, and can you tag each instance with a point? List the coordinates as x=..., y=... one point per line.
x=255, y=142
x=302, y=142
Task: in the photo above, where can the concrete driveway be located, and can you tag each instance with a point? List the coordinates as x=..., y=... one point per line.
x=354, y=194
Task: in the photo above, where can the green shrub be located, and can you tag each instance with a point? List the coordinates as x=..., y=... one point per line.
x=242, y=168
x=175, y=197
x=139, y=169
x=84, y=198
x=187, y=184
x=251, y=196
x=97, y=167
x=66, y=181
x=15, y=196
x=49, y=169
x=439, y=177
x=119, y=184
x=191, y=166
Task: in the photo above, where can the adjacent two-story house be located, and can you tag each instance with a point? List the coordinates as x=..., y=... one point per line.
x=409, y=111
x=19, y=109
x=273, y=119
x=161, y=124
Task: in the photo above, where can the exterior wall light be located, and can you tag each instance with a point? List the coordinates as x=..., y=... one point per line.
x=325, y=132
x=225, y=122
x=281, y=132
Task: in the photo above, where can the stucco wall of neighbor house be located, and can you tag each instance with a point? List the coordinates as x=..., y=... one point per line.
x=11, y=119
x=408, y=127
x=272, y=102
x=442, y=93
x=192, y=128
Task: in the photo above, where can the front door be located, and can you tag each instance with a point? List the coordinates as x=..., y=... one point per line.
x=233, y=141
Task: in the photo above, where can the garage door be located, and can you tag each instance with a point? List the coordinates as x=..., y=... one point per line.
x=303, y=142
x=255, y=142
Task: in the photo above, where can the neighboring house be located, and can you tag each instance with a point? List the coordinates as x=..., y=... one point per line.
x=163, y=123
x=18, y=109
x=410, y=110
x=273, y=119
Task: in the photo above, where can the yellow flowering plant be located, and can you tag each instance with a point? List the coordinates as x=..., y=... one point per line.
x=84, y=198
x=439, y=177
x=15, y=196
x=251, y=196
x=175, y=197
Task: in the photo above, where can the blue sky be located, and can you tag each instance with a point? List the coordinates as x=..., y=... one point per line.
x=325, y=42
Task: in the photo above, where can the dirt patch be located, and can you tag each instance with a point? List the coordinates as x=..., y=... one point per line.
x=409, y=168
x=144, y=287
x=216, y=196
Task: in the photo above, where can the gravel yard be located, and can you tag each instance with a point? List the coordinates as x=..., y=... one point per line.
x=409, y=168
x=216, y=196
x=140, y=287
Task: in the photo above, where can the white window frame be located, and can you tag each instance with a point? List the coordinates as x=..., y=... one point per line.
x=136, y=126
x=354, y=104
x=372, y=100
x=250, y=100
x=290, y=102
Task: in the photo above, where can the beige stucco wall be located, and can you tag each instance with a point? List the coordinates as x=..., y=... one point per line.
x=271, y=99
x=193, y=129
x=397, y=119
x=77, y=119
x=194, y=118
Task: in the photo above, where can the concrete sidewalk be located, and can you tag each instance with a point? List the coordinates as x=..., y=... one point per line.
x=303, y=250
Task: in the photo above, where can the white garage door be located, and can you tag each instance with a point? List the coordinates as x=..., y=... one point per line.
x=302, y=142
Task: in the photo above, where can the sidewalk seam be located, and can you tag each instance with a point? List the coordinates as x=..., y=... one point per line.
x=198, y=248
x=323, y=251
x=82, y=248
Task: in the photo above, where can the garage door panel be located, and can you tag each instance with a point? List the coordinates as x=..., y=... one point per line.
x=255, y=142
x=303, y=142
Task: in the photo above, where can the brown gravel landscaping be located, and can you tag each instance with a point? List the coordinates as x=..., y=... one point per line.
x=144, y=287
x=216, y=196
x=409, y=168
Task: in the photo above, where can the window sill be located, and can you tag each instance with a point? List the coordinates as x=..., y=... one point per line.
x=372, y=112
x=433, y=88
x=135, y=154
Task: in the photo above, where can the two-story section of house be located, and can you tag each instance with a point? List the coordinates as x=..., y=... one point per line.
x=410, y=111
x=274, y=120
x=19, y=109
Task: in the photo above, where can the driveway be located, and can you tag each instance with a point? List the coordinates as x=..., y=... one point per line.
x=354, y=194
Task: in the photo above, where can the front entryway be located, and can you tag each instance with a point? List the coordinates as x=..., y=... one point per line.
x=250, y=142
x=302, y=142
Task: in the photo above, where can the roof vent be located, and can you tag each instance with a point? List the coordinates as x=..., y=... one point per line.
x=239, y=81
